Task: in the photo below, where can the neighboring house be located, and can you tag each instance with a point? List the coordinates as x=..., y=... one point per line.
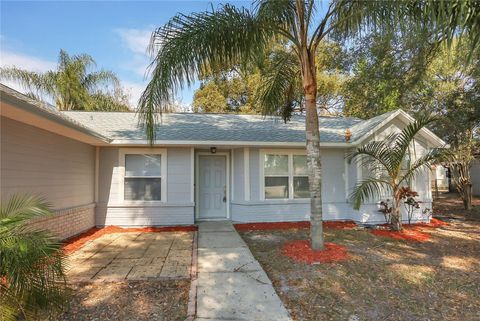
x=440, y=180
x=97, y=168
x=475, y=177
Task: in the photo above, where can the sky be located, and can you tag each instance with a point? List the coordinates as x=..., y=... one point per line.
x=114, y=33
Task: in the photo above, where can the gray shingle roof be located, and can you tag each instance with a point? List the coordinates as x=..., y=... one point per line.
x=215, y=127
x=20, y=100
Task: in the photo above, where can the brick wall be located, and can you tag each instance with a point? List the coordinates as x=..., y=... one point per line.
x=68, y=222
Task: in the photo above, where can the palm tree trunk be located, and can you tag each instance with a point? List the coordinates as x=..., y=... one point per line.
x=313, y=150
x=396, y=215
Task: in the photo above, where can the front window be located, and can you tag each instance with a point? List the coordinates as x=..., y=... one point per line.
x=285, y=176
x=143, y=177
x=276, y=176
x=300, y=177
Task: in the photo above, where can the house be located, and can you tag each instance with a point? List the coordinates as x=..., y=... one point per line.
x=475, y=176
x=97, y=168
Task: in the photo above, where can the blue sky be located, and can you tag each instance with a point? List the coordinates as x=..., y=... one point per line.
x=114, y=33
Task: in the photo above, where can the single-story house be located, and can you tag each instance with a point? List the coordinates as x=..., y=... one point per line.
x=97, y=168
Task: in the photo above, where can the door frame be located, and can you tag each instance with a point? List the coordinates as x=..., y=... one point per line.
x=197, y=183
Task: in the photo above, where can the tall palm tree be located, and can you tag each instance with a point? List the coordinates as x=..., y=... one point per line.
x=71, y=86
x=190, y=44
x=393, y=163
x=32, y=278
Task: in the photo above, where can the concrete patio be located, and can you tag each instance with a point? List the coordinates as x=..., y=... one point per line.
x=133, y=256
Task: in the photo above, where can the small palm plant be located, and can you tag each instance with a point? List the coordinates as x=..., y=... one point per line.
x=394, y=164
x=32, y=280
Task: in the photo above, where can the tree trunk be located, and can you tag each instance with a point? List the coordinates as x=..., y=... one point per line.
x=396, y=216
x=313, y=149
x=467, y=197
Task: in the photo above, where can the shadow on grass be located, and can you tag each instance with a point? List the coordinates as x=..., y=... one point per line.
x=386, y=279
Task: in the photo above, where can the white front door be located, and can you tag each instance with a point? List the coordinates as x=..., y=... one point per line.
x=212, y=187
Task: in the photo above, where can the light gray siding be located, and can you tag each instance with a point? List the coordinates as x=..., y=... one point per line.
x=338, y=180
x=255, y=178
x=39, y=162
x=177, y=210
x=238, y=175
x=475, y=176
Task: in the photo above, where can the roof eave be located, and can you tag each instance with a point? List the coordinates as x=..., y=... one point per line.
x=12, y=103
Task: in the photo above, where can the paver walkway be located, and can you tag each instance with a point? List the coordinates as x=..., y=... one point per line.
x=231, y=283
x=133, y=256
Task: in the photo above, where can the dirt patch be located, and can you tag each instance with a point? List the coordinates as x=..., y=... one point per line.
x=301, y=251
x=450, y=207
x=384, y=279
x=133, y=301
x=243, y=227
x=73, y=244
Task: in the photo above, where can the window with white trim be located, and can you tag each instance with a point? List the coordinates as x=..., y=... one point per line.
x=143, y=177
x=285, y=176
x=300, y=177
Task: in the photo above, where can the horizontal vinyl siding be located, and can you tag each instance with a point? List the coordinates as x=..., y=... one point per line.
x=112, y=211
x=36, y=161
x=475, y=176
x=144, y=216
x=287, y=212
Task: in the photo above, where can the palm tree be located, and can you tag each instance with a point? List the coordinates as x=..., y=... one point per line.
x=32, y=277
x=394, y=163
x=188, y=45
x=71, y=86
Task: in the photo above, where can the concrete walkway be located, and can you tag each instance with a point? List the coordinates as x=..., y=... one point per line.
x=231, y=283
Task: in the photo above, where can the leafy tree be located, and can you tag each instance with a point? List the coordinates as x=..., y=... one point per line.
x=229, y=90
x=393, y=163
x=453, y=82
x=386, y=71
x=32, y=281
x=209, y=99
x=72, y=86
x=190, y=44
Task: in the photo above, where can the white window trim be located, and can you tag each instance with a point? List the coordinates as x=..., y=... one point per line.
x=121, y=168
x=290, y=175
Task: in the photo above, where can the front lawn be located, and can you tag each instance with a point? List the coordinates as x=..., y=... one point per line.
x=162, y=300
x=385, y=279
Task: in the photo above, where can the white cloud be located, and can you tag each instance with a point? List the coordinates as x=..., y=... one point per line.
x=9, y=59
x=136, y=41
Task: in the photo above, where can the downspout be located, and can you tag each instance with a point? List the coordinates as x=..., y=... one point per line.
x=97, y=165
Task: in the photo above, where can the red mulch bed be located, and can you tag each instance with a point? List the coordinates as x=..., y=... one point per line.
x=434, y=223
x=74, y=243
x=244, y=227
x=300, y=251
x=406, y=234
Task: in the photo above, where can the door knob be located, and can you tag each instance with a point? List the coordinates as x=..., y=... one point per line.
x=224, y=193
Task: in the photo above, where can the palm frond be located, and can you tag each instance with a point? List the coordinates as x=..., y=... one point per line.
x=404, y=140
x=435, y=156
x=29, y=80
x=445, y=20
x=369, y=188
x=93, y=79
x=24, y=207
x=281, y=16
x=188, y=44
x=376, y=151
x=279, y=84
x=31, y=262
